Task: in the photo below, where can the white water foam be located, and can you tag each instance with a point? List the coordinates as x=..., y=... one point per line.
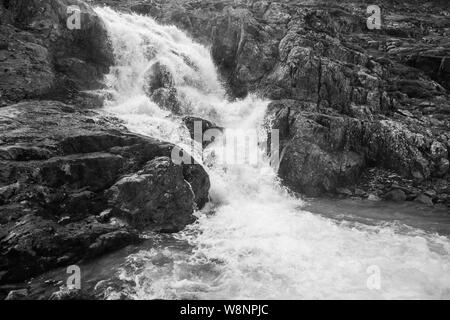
x=253, y=240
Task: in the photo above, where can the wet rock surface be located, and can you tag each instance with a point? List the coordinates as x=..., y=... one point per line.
x=323, y=152
x=198, y=127
x=41, y=57
x=61, y=175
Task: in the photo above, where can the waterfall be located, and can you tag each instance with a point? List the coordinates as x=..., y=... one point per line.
x=254, y=240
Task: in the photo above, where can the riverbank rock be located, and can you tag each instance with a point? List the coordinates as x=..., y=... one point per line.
x=57, y=164
x=44, y=58
x=158, y=196
x=315, y=158
x=159, y=86
x=202, y=125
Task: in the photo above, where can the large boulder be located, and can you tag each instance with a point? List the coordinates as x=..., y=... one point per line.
x=322, y=52
x=156, y=197
x=58, y=166
x=156, y=77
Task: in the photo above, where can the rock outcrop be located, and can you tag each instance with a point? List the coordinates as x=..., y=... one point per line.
x=75, y=184
x=315, y=156
x=160, y=87
x=323, y=152
x=41, y=57
x=159, y=196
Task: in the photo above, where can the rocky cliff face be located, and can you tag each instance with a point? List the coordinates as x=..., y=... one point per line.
x=75, y=184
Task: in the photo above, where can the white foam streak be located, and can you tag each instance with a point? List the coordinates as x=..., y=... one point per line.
x=258, y=243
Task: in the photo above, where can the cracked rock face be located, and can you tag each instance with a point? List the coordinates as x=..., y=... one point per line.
x=159, y=196
x=75, y=184
x=40, y=57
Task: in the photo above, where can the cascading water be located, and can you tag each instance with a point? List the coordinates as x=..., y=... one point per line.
x=253, y=240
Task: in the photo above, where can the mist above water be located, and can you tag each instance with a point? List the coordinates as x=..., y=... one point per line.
x=253, y=240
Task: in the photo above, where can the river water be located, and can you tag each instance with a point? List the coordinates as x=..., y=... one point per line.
x=254, y=240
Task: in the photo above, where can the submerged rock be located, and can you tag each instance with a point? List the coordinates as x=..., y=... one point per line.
x=158, y=76
x=167, y=99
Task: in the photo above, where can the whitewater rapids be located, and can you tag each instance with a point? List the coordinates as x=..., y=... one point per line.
x=253, y=241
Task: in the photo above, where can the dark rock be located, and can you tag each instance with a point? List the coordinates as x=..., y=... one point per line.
x=395, y=195
x=314, y=145
x=344, y=191
x=56, y=164
x=91, y=99
x=25, y=66
x=203, y=125
x=321, y=59
x=160, y=87
x=158, y=76
x=65, y=293
x=373, y=197
x=105, y=216
x=314, y=158
x=443, y=167
x=430, y=193
x=145, y=9
x=424, y=199
x=20, y=294
x=157, y=197
x=167, y=99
